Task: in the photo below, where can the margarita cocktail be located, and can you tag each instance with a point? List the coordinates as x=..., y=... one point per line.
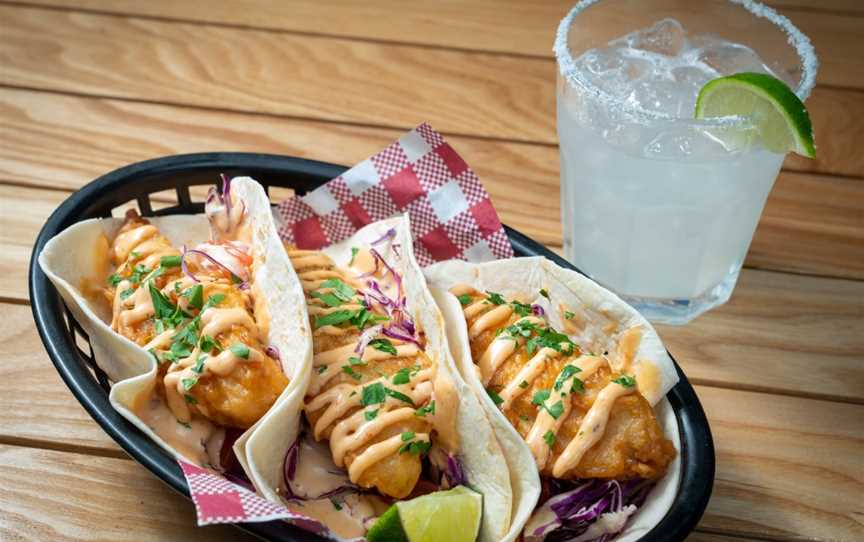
x=657, y=205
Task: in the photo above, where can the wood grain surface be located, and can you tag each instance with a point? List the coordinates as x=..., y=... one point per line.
x=87, y=86
x=812, y=224
x=469, y=93
x=101, y=499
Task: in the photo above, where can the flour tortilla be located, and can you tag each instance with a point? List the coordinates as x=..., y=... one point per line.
x=78, y=254
x=480, y=455
x=604, y=317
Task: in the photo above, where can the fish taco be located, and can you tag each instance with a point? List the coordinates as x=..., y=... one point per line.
x=186, y=315
x=573, y=379
x=385, y=416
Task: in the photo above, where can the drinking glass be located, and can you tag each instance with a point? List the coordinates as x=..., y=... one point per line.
x=655, y=205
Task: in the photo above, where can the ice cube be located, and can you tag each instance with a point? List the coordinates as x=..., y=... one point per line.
x=597, y=62
x=662, y=96
x=730, y=58
x=666, y=37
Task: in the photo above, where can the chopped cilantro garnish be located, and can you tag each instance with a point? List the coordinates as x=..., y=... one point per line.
x=196, y=296
x=373, y=394
x=625, y=380
x=407, y=435
x=415, y=447
x=126, y=293
x=161, y=304
x=524, y=418
x=354, y=360
x=137, y=272
x=354, y=251
x=567, y=372
x=522, y=309
x=189, y=399
x=569, y=315
x=399, y=395
x=423, y=411
x=549, y=437
x=556, y=410
x=495, y=397
x=329, y=299
x=114, y=279
x=544, y=293
x=340, y=289
x=402, y=376
x=322, y=369
x=177, y=285
x=383, y=345
x=523, y=384
x=199, y=364
x=335, y=503
x=464, y=299
x=170, y=261
x=240, y=350
x=370, y=414
x=549, y=338
x=134, y=255
x=333, y=318
x=540, y=397
x=188, y=383
x=213, y=301
x=578, y=386
x=208, y=344
x=347, y=369
x=495, y=299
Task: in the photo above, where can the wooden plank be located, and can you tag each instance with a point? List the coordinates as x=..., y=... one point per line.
x=513, y=26
x=786, y=467
x=35, y=404
x=779, y=332
x=387, y=85
x=811, y=224
x=115, y=500
x=50, y=495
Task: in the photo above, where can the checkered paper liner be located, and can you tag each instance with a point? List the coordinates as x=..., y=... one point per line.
x=420, y=174
x=218, y=500
x=451, y=217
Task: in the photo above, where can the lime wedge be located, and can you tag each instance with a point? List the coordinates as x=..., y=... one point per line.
x=781, y=119
x=452, y=515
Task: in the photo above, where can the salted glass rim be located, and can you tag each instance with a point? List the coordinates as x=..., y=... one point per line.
x=796, y=38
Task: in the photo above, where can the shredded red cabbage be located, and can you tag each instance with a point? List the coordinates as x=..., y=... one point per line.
x=243, y=284
x=289, y=470
x=454, y=474
x=537, y=310
x=389, y=234
x=365, y=338
x=273, y=352
x=595, y=510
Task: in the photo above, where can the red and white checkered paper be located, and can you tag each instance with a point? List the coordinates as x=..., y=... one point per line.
x=420, y=174
x=451, y=217
x=218, y=500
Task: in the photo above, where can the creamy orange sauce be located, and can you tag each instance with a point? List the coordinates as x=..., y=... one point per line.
x=316, y=475
x=545, y=425
x=338, y=407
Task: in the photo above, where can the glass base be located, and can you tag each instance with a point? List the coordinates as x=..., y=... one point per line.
x=678, y=312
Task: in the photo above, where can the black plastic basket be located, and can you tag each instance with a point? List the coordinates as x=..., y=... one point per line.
x=62, y=335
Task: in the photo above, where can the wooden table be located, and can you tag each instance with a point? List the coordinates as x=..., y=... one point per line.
x=87, y=86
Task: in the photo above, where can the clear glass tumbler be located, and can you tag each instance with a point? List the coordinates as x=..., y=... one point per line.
x=657, y=206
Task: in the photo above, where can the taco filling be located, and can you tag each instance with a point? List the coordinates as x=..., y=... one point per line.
x=195, y=311
x=378, y=402
x=594, y=438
